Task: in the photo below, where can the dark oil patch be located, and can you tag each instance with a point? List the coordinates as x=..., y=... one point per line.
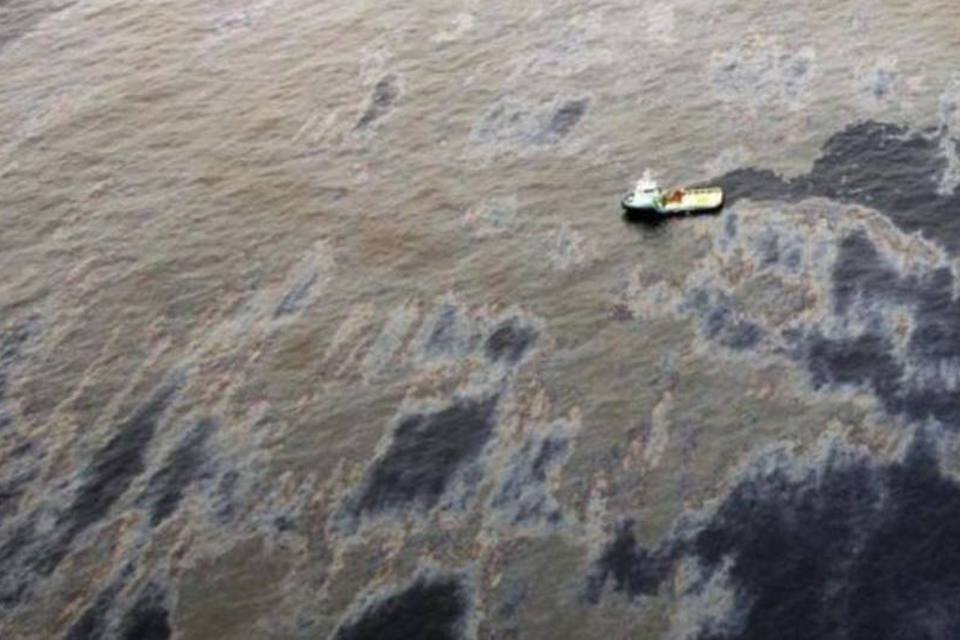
x=738, y=334
x=13, y=583
x=11, y=489
x=564, y=119
x=854, y=551
x=113, y=469
x=861, y=272
x=721, y=322
x=730, y=225
x=284, y=523
x=10, y=345
x=634, y=570
x=92, y=623
x=756, y=184
x=182, y=467
x=509, y=342
x=426, y=610
x=770, y=250
x=16, y=538
x=620, y=312
x=426, y=452
x=866, y=359
x=848, y=549
x=515, y=594
x=443, y=332
x=385, y=94
x=225, y=499
x=523, y=494
x=883, y=166
x=531, y=124
x=550, y=450
x=149, y=618
x=883, y=83
x=294, y=300
x=22, y=449
x=863, y=283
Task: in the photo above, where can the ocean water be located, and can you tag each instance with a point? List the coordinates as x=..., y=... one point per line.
x=321, y=320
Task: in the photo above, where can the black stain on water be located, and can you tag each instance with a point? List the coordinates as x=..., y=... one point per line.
x=523, y=494
x=284, y=523
x=515, y=594
x=149, y=618
x=18, y=539
x=12, y=489
x=620, y=312
x=550, y=450
x=385, y=94
x=22, y=450
x=182, y=467
x=883, y=166
x=94, y=621
x=913, y=378
x=770, y=250
x=564, y=119
x=850, y=549
x=443, y=332
x=294, y=300
x=535, y=125
x=11, y=343
x=633, y=570
x=721, y=322
x=426, y=610
x=112, y=470
x=790, y=545
x=742, y=335
x=865, y=359
x=509, y=342
x=857, y=552
x=730, y=225
x=426, y=452
x=225, y=496
x=883, y=83
x=756, y=184
x=92, y=624
x=860, y=271
x=864, y=283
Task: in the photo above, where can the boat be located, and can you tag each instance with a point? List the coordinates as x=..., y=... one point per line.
x=649, y=198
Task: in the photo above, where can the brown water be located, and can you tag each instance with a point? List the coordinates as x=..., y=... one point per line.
x=316, y=316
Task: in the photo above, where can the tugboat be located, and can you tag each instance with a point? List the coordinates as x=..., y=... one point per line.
x=648, y=198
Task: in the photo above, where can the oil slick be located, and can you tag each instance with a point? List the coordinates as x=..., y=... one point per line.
x=431, y=606
x=841, y=528
x=510, y=124
x=385, y=94
x=886, y=167
x=426, y=452
x=832, y=287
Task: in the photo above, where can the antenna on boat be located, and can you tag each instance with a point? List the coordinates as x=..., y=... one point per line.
x=646, y=182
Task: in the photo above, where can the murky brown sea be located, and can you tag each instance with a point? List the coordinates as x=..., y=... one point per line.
x=316, y=316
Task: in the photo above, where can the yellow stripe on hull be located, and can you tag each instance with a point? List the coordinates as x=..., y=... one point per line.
x=694, y=200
